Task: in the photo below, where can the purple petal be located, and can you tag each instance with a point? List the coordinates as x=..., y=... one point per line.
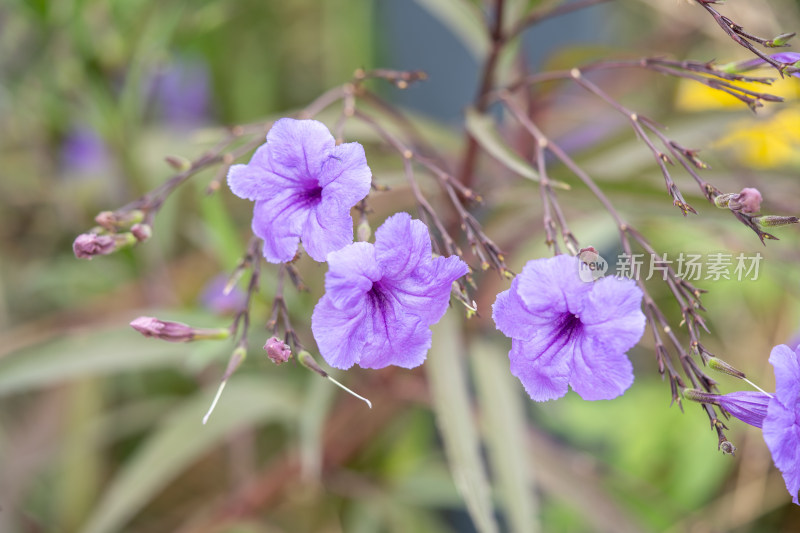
x=325, y=231
x=280, y=240
x=511, y=317
x=748, y=406
x=426, y=293
x=298, y=149
x=345, y=174
x=787, y=375
x=550, y=287
x=612, y=312
x=351, y=273
x=782, y=435
x=251, y=181
x=598, y=374
x=339, y=333
x=547, y=379
x=395, y=338
x=402, y=245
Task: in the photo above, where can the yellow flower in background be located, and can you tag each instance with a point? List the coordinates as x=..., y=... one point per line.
x=769, y=139
x=773, y=141
x=694, y=96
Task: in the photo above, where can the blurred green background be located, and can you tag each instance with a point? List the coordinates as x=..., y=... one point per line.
x=100, y=428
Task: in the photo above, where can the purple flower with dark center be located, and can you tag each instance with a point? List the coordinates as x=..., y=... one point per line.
x=567, y=332
x=380, y=300
x=303, y=186
x=782, y=424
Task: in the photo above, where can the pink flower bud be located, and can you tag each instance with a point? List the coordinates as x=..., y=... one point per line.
x=142, y=232
x=168, y=331
x=88, y=245
x=747, y=201
x=277, y=350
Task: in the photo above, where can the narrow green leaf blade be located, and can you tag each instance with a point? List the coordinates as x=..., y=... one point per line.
x=182, y=439
x=503, y=424
x=482, y=129
x=451, y=402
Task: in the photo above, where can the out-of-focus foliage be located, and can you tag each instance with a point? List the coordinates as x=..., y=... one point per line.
x=100, y=429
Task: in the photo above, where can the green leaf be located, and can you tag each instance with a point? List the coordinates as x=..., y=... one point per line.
x=463, y=20
x=451, y=403
x=504, y=424
x=482, y=129
x=95, y=353
x=182, y=439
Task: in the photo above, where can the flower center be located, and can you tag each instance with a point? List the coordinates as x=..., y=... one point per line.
x=569, y=325
x=310, y=196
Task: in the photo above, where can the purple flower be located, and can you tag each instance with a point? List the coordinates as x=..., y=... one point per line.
x=748, y=406
x=782, y=424
x=381, y=299
x=787, y=58
x=568, y=332
x=215, y=299
x=747, y=201
x=304, y=186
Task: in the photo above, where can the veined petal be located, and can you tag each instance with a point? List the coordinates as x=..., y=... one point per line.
x=345, y=174
x=782, y=435
x=511, y=317
x=426, y=293
x=351, y=273
x=787, y=375
x=280, y=239
x=401, y=246
x=399, y=341
x=598, y=374
x=612, y=312
x=298, y=149
x=326, y=230
x=251, y=181
x=544, y=378
x=550, y=287
x=340, y=333
x=748, y=406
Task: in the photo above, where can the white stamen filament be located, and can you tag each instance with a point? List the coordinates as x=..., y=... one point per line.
x=757, y=387
x=214, y=402
x=369, y=403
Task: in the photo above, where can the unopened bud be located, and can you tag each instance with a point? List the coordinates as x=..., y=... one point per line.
x=175, y=331
x=781, y=40
x=727, y=447
x=277, y=351
x=364, y=231
x=113, y=220
x=88, y=245
x=181, y=164
x=721, y=366
x=723, y=200
x=699, y=396
x=747, y=201
x=142, y=232
x=772, y=221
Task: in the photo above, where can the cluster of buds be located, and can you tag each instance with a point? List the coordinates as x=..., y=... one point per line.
x=115, y=231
